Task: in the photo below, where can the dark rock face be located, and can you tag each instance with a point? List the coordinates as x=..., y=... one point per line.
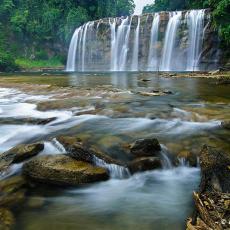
x=145, y=148
x=78, y=151
x=63, y=170
x=144, y=164
x=215, y=170
x=212, y=202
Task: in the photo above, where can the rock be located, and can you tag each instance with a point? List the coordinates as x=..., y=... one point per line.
x=215, y=170
x=144, y=164
x=21, y=152
x=46, y=121
x=12, y=184
x=189, y=157
x=78, y=151
x=63, y=170
x=6, y=219
x=145, y=80
x=12, y=191
x=35, y=202
x=151, y=94
x=225, y=124
x=145, y=148
x=214, y=72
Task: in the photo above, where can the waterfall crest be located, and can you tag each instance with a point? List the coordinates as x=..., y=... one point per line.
x=165, y=41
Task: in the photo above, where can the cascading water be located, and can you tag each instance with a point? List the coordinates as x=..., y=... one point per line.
x=174, y=41
x=152, y=58
x=170, y=39
x=195, y=21
x=135, y=57
x=120, y=43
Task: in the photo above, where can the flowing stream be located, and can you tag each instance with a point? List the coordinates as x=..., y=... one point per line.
x=107, y=111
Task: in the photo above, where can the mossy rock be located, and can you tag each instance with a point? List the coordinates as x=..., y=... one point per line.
x=63, y=170
x=6, y=219
x=12, y=192
x=21, y=152
x=79, y=151
x=12, y=184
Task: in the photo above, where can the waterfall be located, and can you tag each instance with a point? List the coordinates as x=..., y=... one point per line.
x=135, y=57
x=113, y=59
x=152, y=58
x=120, y=44
x=71, y=66
x=195, y=21
x=116, y=171
x=170, y=39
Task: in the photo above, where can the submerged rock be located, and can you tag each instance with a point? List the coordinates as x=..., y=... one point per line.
x=144, y=164
x=145, y=148
x=20, y=153
x=6, y=219
x=78, y=151
x=63, y=170
x=12, y=191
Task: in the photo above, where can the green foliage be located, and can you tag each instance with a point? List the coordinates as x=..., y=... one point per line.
x=28, y=27
x=34, y=64
x=7, y=62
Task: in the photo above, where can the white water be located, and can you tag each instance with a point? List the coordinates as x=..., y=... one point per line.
x=170, y=39
x=153, y=57
x=135, y=58
x=123, y=51
x=115, y=171
x=195, y=20
x=120, y=43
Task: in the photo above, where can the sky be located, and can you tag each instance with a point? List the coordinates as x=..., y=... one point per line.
x=140, y=5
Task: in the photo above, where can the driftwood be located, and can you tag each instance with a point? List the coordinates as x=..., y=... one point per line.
x=212, y=202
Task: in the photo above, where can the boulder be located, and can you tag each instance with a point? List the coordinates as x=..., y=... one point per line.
x=20, y=153
x=6, y=219
x=63, y=170
x=78, y=151
x=145, y=148
x=144, y=164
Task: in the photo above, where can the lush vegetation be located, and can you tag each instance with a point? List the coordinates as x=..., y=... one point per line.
x=41, y=29
x=220, y=13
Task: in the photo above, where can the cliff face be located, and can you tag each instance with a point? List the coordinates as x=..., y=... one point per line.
x=168, y=41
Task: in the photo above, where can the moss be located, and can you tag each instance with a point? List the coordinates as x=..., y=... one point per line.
x=34, y=64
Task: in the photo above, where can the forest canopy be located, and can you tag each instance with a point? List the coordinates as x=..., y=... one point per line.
x=35, y=23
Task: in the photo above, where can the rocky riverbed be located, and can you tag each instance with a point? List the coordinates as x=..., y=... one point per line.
x=110, y=148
